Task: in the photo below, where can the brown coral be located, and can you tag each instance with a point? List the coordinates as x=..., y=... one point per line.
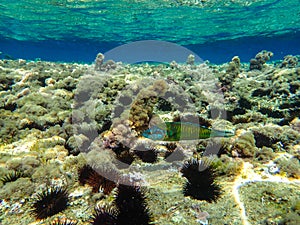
x=260, y=59
x=142, y=108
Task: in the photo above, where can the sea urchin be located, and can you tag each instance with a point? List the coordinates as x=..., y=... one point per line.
x=50, y=202
x=200, y=183
x=87, y=175
x=12, y=176
x=132, y=206
x=104, y=216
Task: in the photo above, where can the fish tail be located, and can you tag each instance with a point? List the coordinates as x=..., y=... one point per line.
x=222, y=133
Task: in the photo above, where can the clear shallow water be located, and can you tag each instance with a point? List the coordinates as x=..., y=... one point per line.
x=225, y=28
x=57, y=118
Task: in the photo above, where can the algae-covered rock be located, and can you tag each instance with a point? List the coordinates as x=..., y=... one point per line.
x=25, y=163
x=264, y=154
x=270, y=203
x=260, y=59
x=291, y=167
x=244, y=145
x=289, y=61
x=21, y=188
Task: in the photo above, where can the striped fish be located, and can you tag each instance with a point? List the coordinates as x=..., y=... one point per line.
x=176, y=131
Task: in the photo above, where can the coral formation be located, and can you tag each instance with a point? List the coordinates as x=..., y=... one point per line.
x=289, y=61
x=232, y=72
x=100, y=65
x=260, y=59
x=244, y=145
x=142, y=107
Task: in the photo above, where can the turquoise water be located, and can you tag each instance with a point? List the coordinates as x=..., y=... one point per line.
x=225, y=27
x=149, y=132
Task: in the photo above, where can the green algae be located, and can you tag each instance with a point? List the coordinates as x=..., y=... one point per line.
x=23, y=187
x=268, y=203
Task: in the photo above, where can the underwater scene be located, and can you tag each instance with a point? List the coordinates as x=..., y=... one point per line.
x=136, y=112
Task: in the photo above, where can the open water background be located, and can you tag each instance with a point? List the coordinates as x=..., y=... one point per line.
x=76, y=30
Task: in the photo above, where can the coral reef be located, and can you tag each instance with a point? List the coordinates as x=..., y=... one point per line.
x=79, y=126
x=244, y=145
x=142, y=108
x=289, y=61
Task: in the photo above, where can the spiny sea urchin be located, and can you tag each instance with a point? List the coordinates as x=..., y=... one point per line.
x=145, y=153
x=124, y=156
x=131, y=203
x=149, y=156
x=50, y=202
x=125, y=159
x=200, y=183
x=12, y=176
x=104, y=216
x=87, y=175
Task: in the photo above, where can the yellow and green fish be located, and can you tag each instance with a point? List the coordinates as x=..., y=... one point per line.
x=176, y=131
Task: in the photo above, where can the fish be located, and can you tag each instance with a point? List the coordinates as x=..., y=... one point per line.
x=176, y=131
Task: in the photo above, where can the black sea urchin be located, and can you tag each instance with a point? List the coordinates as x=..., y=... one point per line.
x=146, y=153
x=132, y=206
x=49, y=202
x=104, y=216
x=200, y=183
x=125, y=159
x=149, y=156
x=87, y=175
x=12, y=176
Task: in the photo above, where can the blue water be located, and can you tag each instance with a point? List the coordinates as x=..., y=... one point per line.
x=85, y=51
x=75, y=31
